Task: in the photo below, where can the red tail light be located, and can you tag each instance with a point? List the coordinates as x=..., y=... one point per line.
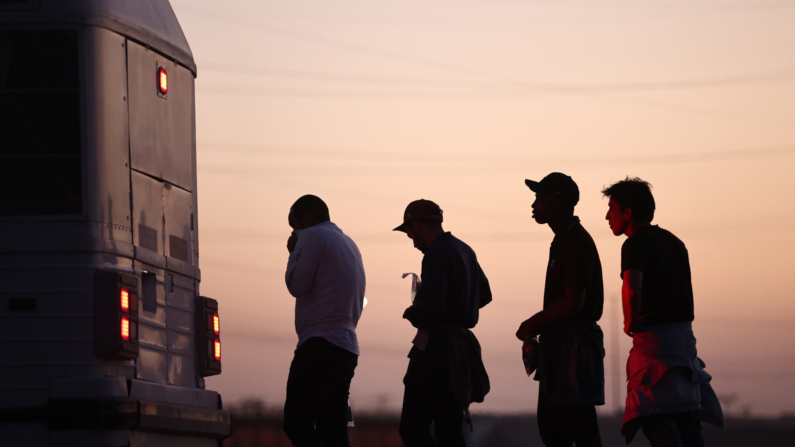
x=208, y=330
x=125, y=300
x=162, y=81
x=125, y=328
x=115, y=315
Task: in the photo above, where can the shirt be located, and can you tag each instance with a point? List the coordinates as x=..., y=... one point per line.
x=666, y=290
x=343, y=338
x=453, y=289
x=574, y=262
x=571, y=353
x=325, y=274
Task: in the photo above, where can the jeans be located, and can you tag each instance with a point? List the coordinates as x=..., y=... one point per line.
x=316, y=407
x=562, y=425
x=672, y=430
x=427, y=398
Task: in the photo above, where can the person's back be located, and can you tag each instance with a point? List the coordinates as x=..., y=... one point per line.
x=570, y=342
x=445, y=373
x=332, y=298
x=326, y=276
x=668, y=391
x=451, y=286
x=667, y=289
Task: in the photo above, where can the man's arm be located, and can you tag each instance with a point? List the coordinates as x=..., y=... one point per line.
x=426, y=312
x=578, y=262
x=631, y=295
x=560, y=311
x=303, y=263
x=485, y=289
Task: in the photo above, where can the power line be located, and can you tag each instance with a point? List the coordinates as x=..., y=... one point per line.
x=512, y=87
x=688, y=6
x=254, y=25
x=473, y=161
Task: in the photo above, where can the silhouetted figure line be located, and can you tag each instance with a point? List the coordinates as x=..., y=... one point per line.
x=325, y=274
x=668, y=391
x=570, y=344
x=445, y=372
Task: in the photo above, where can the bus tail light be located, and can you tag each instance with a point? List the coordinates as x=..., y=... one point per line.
x=208, y=330
x=124, y=300
x=125, y=328
x=115, y=315
x=162, y=81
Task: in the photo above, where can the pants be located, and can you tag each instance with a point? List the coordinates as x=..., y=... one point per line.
x=672, y=430
x=427, y=398
x=562, y=425
x=316, y=407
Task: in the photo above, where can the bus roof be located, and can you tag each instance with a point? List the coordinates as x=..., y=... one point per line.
x=150, y=22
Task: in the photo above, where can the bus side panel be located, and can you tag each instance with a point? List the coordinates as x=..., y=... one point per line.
x=181, y=332
x=107, y=183
x=195, y=214
x=160, y=125
x=152, y=362
x=178, y=208
x=46, y=323
x=147, y=219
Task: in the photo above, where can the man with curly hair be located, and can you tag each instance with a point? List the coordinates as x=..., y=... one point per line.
x=668, y=391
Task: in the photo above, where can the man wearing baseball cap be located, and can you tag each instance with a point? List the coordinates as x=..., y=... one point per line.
x=571, y=351
x=445, y=372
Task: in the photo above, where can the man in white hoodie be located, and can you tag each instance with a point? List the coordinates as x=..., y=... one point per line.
x=326, y=276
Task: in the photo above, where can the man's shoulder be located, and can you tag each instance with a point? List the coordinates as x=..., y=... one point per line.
x=448, y=246
x=657, y=234
x=333, y=235
x=578, y=236
x=460, y=246
x=322, y=233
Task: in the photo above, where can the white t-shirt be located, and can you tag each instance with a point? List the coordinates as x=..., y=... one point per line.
x=325, y=274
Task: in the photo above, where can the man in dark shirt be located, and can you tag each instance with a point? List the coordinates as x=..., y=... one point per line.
x=571, y=350
x=668, y=391
x=445, y=372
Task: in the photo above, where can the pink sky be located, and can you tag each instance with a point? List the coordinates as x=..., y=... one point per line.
x=370, y=105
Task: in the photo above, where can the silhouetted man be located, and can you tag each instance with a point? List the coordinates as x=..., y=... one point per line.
x=325, y=274
x=571, y=352
x=445, y=372
x=668, y=391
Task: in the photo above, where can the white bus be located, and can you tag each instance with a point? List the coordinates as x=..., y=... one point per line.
x=104, y=337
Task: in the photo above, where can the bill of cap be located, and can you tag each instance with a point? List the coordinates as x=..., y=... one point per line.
x=402, y=227
x=532, y=185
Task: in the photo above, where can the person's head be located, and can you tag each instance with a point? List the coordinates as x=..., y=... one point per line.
x=422, y=223
x=631, y=204
x=556, y=196
x=307, y=211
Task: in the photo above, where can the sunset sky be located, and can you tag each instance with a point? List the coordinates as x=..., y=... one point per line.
x=371, y=105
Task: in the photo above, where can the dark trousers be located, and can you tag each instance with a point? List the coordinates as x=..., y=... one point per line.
x=427, y=398
x=316, y=408
x=672, y=430
x=562, y=425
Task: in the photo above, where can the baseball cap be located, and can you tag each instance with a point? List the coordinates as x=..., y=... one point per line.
x=557, y=184
x=420, y=210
